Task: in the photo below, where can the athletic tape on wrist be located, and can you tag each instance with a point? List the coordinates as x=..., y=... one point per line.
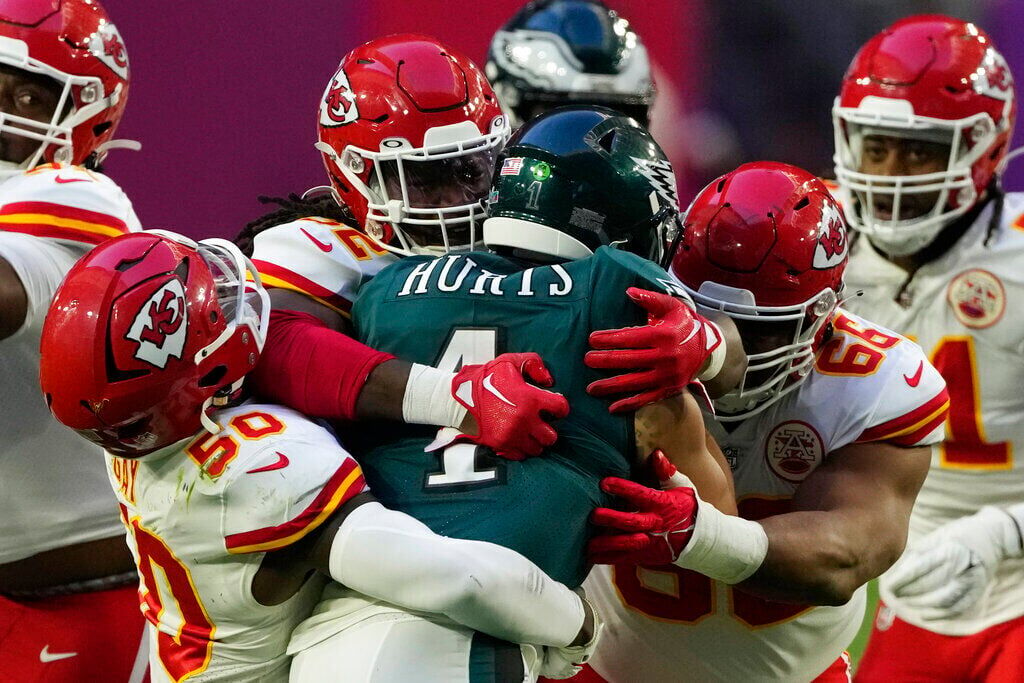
x=428, y=398
x=723, y=547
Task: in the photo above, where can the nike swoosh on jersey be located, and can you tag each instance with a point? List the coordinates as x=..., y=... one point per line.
x=489, y=386
x=322, y=246
x=282, y=462
x=45, y=656
x=916, y=378
x=62, y=180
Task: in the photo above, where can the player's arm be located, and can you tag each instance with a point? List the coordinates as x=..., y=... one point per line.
x=13, y=300
x=675, y=347
x=848, y=525
x=311, y=364
x=675, y=427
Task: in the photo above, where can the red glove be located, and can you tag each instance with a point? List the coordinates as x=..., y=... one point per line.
x=657, y=532
x=666, y=354
x=510, y=412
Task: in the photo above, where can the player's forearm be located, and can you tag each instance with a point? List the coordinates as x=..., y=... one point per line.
x=390, y=556
x=817, y=558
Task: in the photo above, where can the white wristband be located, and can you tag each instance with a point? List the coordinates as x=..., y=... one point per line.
x=717, y=358
x=428, y=398
x=723, y=547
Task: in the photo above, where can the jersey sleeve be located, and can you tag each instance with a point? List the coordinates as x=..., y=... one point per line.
x=70, y=204
x=902, y=401
x=322, y=259
x=283, y=486
x=41, y=266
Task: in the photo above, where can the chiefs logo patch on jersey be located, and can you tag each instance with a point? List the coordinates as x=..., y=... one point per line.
x=107, y=46
x=831, y=248
x=338, y=106
x=993, y=77
x=977, y=298
x=793, y=450
x=161, y=324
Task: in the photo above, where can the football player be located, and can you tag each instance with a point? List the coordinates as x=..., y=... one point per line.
x=557, y=52
x=826, y=437
x=229, y=505
x=577, y=204
x=923, y=121
x=409, y=130
x=68, y=604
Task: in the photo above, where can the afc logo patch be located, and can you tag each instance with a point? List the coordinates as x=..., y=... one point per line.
x=338, y=106
x=977, y=298
x=161, y=324
x=793, y=450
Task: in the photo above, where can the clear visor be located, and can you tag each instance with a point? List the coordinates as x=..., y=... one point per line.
x=240, y=291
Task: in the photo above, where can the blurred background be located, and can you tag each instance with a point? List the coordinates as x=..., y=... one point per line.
x=224, y=98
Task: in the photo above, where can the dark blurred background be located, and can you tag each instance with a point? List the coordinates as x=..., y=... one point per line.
x=224, y=95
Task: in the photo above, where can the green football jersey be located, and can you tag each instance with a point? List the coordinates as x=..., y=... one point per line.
x=465, y=309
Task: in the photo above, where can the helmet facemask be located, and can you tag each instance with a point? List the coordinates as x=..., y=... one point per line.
x=773, y=373
x=432, y=197
x=955, y=192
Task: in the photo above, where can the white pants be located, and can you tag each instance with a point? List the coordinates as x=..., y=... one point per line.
x=355, y=640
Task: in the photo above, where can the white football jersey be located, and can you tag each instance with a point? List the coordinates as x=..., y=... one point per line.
x=323, y=259
x=958, y=309
x=200, y=517
x=670, y=624
x=55, y=493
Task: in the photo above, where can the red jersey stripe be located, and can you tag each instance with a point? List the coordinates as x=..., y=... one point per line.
x=276, y=276
x=908, y=422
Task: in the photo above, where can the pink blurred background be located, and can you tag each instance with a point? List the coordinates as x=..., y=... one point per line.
x=224, y=95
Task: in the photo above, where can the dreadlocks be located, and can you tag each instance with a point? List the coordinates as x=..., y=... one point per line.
x=291, y=209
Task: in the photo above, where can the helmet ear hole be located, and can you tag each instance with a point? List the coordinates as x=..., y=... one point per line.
x=213, y=377
x=101, y=128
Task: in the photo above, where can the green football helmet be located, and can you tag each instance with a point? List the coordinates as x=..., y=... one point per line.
x=577, y=178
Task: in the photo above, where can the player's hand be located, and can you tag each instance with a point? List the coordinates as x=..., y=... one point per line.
x=511, y=414
x=946, y=572
x=664, y=356
x=659, y=529
x=565, y=662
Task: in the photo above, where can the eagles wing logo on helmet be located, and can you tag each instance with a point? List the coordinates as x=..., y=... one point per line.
x=662, y=177
x=107, y=46
x=831, y=248
x=161, y=324
x=338, y=106
x=993, y=77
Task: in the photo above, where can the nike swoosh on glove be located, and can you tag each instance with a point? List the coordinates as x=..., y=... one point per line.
x=664, y=355
x=944, y=574
x=512, y=415
x=658, y=531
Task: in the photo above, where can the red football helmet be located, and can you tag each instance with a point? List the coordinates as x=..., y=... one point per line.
x=146, y=333
x=74, y=43
x=766, y=244
x=409, y=130
x=933, y=78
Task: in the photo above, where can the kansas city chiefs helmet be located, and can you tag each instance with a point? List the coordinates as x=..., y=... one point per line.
x=558, y=52
x=930, y=78
x=581, y=177
x=146, y=333
x=767, y=245
x=74, y=43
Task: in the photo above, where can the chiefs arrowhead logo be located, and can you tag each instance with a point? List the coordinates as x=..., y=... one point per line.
x=160, y=325
x=107, y=46
x=993, y=77
x=831, y=248
x=338, y=106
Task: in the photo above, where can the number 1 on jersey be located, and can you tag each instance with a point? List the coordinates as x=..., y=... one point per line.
x=459, y=462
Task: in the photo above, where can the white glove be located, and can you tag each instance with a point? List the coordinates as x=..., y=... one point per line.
x=565, y=662
x=948, y=570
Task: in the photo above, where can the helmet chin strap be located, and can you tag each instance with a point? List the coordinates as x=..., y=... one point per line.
x=218, y=400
